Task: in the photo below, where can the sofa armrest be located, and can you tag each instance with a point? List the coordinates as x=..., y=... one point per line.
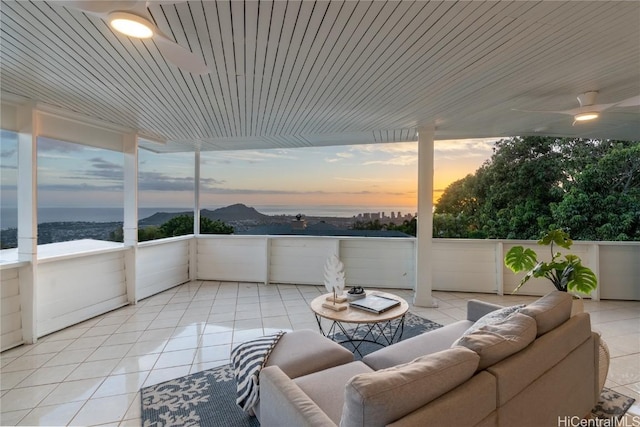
x=476, y=309
x=283, y=403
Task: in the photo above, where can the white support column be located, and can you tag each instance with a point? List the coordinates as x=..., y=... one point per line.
x=130, y=226
x=28, y=128
x=424, y=245
x=193, y=246
x=196, y=193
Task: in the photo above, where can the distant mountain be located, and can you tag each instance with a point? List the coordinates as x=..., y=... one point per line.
x=237, y=212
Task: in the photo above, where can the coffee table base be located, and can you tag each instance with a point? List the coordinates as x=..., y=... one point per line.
x=379, y=333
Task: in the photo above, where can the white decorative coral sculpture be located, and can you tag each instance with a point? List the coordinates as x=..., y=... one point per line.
x=334, y=275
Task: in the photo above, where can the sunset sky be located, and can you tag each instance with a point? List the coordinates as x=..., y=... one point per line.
x=378, y=175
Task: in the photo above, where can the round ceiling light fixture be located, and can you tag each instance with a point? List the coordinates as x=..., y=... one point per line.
x=131, y=25
x=586, y=116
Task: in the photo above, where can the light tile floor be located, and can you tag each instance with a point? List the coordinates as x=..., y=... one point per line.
x=91, y=373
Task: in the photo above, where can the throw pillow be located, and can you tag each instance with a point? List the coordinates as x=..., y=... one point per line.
x=378, y=398
x=493, y=317
x=500, y=340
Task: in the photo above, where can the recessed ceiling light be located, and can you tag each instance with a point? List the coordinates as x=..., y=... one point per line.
x=584, y=117
x=131, y=25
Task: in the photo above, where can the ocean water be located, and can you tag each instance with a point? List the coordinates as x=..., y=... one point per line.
x=9, y=216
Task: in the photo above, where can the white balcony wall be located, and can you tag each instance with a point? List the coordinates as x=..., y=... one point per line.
x=10, y=321
x=161, y=265
x=466, y=265
x=380, y=262
x=300, y=259
x=619, y=271
x=232, y=258
x=74, y=288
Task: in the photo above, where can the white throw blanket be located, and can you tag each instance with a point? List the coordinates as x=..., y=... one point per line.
x=247, y=360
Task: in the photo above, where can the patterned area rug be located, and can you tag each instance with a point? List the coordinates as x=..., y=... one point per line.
x=207, y=398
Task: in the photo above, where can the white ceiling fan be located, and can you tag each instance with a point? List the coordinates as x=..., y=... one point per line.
x=133, y=19
x=588, y=109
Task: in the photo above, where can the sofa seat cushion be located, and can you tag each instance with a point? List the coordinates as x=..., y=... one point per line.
x=497, y=341
x=305, y=351
x=381, y=397
x=326, y=388
x=550, y=311
x=412, y=348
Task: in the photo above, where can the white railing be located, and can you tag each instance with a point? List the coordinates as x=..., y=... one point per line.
x=76, y=286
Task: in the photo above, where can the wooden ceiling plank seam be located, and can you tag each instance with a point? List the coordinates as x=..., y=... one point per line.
x=210, y=123
x=552, y=39
x=411, y=87
x=237, y=14
x=228, y=52
x=445, y=39
x=38, y=61
x=110, y=66
x=430, y=14
x=343, y=57
x=116, y=44
x=198, y=81
x=250, y=34
x=238, y=17
x=36, y=37
x=33, y=88
x=385, y=39
x=263, y=23
x=325, y=36
x=213, y=78
x=217, y=52
x=25, y=58
x=205, y=86
x=197, y=115
x=90, y=54
x=334, y=48
x=306, y=70
x=378, y=36
x=286, y=40
x=304, y=23
x=277, y=22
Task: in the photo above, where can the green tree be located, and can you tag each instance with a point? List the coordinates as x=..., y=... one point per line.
x=531, y=184
x=604, y=201
x=183, y=224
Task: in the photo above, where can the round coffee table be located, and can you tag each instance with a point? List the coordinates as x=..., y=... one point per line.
x=380, y=329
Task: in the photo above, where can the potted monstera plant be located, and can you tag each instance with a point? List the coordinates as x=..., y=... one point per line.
x=566, y=272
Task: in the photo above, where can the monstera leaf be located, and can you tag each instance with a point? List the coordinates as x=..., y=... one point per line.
x=519, y=259
x=566, y=274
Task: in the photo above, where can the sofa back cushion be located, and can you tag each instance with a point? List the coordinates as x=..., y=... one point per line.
x=378, y=398
x=497, y=341
x=550, y=311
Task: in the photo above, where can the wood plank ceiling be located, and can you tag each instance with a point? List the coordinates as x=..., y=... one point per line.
x=314, y=73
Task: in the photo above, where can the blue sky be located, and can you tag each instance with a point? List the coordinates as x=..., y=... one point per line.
x=71, y=175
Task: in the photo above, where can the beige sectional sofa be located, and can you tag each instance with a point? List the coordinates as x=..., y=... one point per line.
x=528, y=369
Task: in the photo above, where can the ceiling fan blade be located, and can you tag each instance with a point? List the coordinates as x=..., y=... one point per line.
x=180, y=56
x=99, y=8
x=543, y=111
x=634, y=101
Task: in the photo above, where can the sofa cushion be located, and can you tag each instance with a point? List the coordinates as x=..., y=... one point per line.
x=550, y=311
x=305, y=351
x=497, y=341
x=326, y=388
x=494, y=317
x=407, y=350
x=381, y=397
